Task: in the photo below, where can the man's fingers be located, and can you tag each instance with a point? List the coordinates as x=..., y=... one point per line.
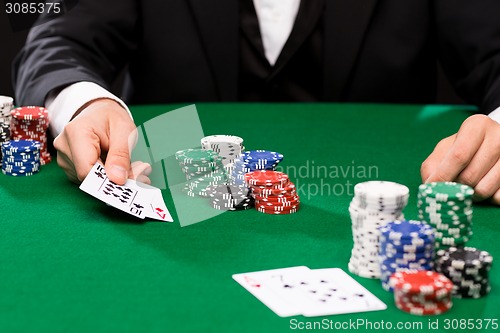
x=467, y=142
x=496, y=198
x=85, y=149
x=118, y=157
x=489, y=184
x=140, y=168
x=480, y=165
x=434, y=159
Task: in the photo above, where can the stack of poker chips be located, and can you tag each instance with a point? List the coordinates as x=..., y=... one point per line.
x=228, y=147
x=273, y=192
x=447, y=207
x=21, y=158
x=253, y=160
x=230, y=197
x=405, y=245
x=468, y=268
x=31, y=123
x=422, y=292
x=202, y=168
x=375, y=203
x=6, y=105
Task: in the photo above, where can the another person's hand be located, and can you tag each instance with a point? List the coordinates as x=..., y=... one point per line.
x=100, y=131
x=471, y=156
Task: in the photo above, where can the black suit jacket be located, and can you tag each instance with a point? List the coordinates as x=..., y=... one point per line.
x=187, y=50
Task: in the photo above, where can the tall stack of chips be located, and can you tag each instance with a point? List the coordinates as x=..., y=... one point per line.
x=21, y=158
x=273, y=192
x=253, y=160
x=422, y=292
x=6, y=105
x=202, y=168
x=375, y=203
x=468, y=268
x=405, y=245
x=230, y=197
x=447, y=207
x=31, y=123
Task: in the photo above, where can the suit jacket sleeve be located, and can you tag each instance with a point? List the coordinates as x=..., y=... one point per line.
x=468, y=43
x=91, y=42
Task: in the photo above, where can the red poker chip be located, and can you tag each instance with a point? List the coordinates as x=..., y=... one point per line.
x=277, y=208
x=420, y=282
x=418, y=298
x=278, y=198
x=44, y=159
x=30, y=123
x=277, y=203
x=424, y=310
x=30, y=112
x=278, y=212
x=266, y=191
x=266, y=178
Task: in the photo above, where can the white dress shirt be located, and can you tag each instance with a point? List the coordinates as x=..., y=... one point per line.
x=276, y=20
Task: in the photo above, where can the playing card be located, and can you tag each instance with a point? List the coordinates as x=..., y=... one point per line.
x=257, y=284
x=157, y=208
x=128, y=198
x=298, y=290
x=325, y=292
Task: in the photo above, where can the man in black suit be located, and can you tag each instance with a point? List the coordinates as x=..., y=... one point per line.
x=264, y=50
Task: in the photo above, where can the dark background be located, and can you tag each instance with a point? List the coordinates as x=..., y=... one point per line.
x=12, y=41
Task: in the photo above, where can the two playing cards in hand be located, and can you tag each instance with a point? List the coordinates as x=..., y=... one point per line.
x=134, y=198
x=301, y=291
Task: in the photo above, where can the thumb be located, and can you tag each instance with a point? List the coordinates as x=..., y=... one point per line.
x=118, y=156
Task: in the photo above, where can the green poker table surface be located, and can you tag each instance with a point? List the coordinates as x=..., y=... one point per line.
x=69, y=263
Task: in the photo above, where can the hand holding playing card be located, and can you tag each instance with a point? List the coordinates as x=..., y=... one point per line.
x=134, y=198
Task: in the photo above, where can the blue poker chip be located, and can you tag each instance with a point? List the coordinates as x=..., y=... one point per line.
x=419, y=247
x=14, y=147
x=393, y=267
x=20, y=164
x=26, y=170
x=262, y=156
x=21, y=158
x=20, y=174
x=406, y=231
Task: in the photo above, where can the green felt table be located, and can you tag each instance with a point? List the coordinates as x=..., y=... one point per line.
x=69, y=263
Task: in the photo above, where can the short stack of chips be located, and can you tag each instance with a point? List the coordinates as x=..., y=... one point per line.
x=230, y=197
x=375, y=203
x=405, y=245
x=447, y=207
x=468, y=268
x=202, y=168
x=31, y=123
x=253, y=160
x=273, y=192
x=229, y=147
x=21, y=158
x=422, y=292
x=6, y=105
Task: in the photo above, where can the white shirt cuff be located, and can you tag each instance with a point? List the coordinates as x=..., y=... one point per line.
x=495, y=115
x=63, y=106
